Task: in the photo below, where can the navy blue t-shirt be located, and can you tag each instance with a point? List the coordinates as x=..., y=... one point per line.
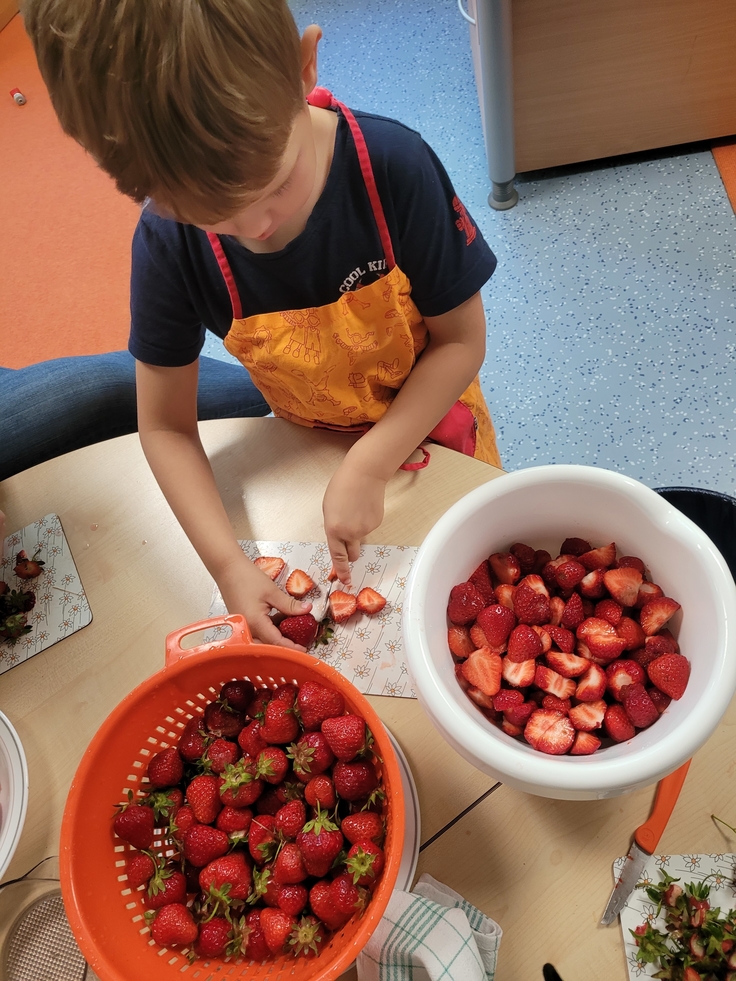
x=178, y=290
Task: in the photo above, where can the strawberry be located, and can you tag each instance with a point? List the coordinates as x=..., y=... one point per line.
x=481, y=579
x=670, y=673
x=459, y=642
x=302, y=629
x=478, y=639
x=557, y=704
x=483, y=670
x=365, y=826
x=610, y=610
x=26, y=568
x=518, y=715
x=220, y=754
x=622, y=673
x=237, y=694
x=280, y=724
x=342, y=606
x=553, y=683
x=320, y=841
x=648, y=591
x=292, y=898
x=346, y=896
x=632, y=562
x=585, y=744
x=167, y=886
x=347, y=737
x=465, y=604
x=561, y=636
x=659, y=698
x=181, y=822
x=588, y=715
x=520, y=674
x=272, y=566
x=165, y=803
x=214, y=937
x=617, y=724
x=592, y=586
x=599, y=558
x=557, y=608
x=268, y=803
x=496, y=622
x=135, y=824
x=530, y=605
x=507, y=698
x=505, y=567
x=194, y=740
x=526, y=557
x=250, y=739
x=239, y=786
x=592, y=685
x=544, y=638
x=354, y=780
x=317, y=702
x=257, y=708
x=483, y=701
x=290, y=819
x=630, y=632
x=549, y=732
x=623, y=585
x=322, y=903
x=601, y=639
x=505, y=596
x=365, y=863
x=574, y=546
x=524, y=644
x=254, y=940
x=639, y=707
x=663, y=643
x=203, y=844
x=262, y=838
x=320, y=791
x=655, y=614
x=569, y=573
x=234, y=821
x=230, y=874
x=140, y=868
x=272, y=765
x=203, y=796
x=299, y=584
x=573, y=615
x=370, y=602
x=307, y=937
x=289, y=865
x=166, y=768
x=312, y=753
x=568, y=665
x=222, y=720
x=174, y=926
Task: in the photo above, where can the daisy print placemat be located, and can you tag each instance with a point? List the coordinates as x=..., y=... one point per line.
x=39, y=611
x=367, y=650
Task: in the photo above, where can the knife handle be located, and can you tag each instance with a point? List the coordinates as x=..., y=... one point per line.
x=648, y=834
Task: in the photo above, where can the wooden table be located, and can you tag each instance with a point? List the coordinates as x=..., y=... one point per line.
x=541, y=868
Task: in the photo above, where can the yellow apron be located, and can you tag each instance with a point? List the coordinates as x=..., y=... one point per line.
x=340, y=365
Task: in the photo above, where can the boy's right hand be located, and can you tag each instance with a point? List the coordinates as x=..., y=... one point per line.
x=248, y=591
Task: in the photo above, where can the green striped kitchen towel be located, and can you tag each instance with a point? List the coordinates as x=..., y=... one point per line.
x=430, y=934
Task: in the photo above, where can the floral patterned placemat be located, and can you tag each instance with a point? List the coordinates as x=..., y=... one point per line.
x=61, y=604
x=717, y=869
x=367, y=650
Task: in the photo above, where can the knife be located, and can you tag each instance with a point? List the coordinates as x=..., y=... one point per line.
x=646, y=839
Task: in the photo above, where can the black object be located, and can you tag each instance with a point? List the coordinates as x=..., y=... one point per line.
x=714, y=513
x=550, y=974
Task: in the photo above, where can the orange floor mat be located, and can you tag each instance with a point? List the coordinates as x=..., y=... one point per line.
x=725, y=158
x=66, y=231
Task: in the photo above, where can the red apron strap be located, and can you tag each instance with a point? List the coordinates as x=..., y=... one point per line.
x=227, y=275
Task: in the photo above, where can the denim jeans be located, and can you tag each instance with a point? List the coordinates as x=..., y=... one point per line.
x=57, y=406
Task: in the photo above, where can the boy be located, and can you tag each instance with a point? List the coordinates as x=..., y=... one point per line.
x=329, y=252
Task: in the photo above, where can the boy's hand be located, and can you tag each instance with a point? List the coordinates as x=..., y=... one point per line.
x=248, y=591
x=352, y=508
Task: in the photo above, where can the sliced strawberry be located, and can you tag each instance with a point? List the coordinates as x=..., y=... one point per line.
x=630, y=632
x=481, y=579
x=496, y=622
x=639, y=707
x=520, y=674
x=553, y=683
x=530, y=605
x=617, y=724
x=623, y=585
x=573, y=615
x=480, y=698
x=505, y=595
x=342, y=605
x=541, y=558
x=271, y=565
x=564, y=638
x=549, y=732
x=574, y=546
x=465, y=604
x=642, y=656
x=505, y=567
x=556, y=608
x=601, y=639
x=539, y=721
x=599, y=558
x=299, y=584
x=544, y=638
x=483, y=670
x=588, y=715
x=510, y=728
x=593, y=586
x=569, y=574
x=610, y=610
x=659, y=644
x=478, y=637
x=458, y=639
x=506, y=698
x=524, y=644
x=659, y=698
x=585, y=744
x=518, y=715
x=648, y=591
x=526, y=555
x=670, y=673
x=632, y=562
x=592, y=685
x=370, y=601
x=557, y=704
x=655, y=614
x=568, y=665
x=549, y=571
x=622, y=673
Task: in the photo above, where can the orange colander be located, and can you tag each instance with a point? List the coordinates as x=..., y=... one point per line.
x=105, y=915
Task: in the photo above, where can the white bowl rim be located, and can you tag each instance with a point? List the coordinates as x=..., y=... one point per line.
x=13, y=821
x=567, y=774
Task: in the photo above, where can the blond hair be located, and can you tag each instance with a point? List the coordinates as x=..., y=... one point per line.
x=189, y=102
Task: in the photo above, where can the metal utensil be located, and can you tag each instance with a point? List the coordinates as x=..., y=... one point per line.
x=646, y=839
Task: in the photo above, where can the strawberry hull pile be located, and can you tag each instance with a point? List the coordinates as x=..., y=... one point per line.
x=568, y=653
x=270, y=818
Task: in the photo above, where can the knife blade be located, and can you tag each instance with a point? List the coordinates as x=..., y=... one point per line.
x=646, y=839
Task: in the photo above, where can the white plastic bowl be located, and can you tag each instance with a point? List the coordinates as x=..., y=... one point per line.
x=13, y=791
x=542, y=506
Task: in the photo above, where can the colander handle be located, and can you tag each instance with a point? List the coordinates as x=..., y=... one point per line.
x=240, y=635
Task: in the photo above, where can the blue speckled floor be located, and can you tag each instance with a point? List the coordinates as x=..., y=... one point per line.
x=611, y=315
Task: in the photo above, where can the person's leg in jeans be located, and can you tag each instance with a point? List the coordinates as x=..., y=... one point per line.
x=57, y=406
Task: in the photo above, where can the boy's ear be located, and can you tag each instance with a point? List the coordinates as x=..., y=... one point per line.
x=310, y=39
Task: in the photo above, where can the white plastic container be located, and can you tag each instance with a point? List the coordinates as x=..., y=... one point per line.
x=13, y=791
x=541, y=507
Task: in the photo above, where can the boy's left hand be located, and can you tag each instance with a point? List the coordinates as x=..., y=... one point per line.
x=352, y=508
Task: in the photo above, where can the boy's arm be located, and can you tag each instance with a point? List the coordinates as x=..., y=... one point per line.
x=167, y=423
x=353, y=502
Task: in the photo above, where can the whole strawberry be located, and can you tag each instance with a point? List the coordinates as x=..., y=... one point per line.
x=203, y=796
x=174, y=926
x=237, y=694
x=135, y=824
x=289, y=865
x=181, y=822
x=250, y=739
x=322, y=904
x=348, y=898
x=347, y=736
x=355, y=780
x=320, y=792
x=277, y=927
x=194, y=740
x=365, y=863
x=307, y=937
x=203, y=844
x=272, y=765
x=262, y=838
x=290, y=819
x=238, y=785
x=234, y=821
x=223, y=720
x=254, y=939
x=166, y=768
x=286, y=693
x=311, y=755
x=26, y=568
x=220, y=754
x=316, y=703
x=230, y=875
x=164, y=803
x=140, y=868
x=170, y=886
x=280, y=724
x=292, y=898
x=319, y=842
x=365, y=826
x=214, y=937
x=302, y=629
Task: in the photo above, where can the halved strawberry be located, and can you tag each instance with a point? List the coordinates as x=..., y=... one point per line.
x=623, y=585
x=481, y=579
x=496, y=622
x=458, y=639
x=573, y=614
x=271, y=565
x=621, y=673
x=564, y=638
x=639, y=707
x=569, y=573
x=610, y=610
x=574, y=546
x=482, y=700
x=617, y=724
x=465, y=604
x=299, y=584
x=592, y=685
x=553, y=683
x=531, y=606
x=592, y=586
x=505, y=567
x=659, y=644
x=524, y=644
x=510, y=728
x=526, y=555
x=549, y=732
x=588, y=715
x=585, y=744
x=632, y=562
x=655, y=614
x=630, y=632
x=505, y=595
x=568, y=665
x=556, y=609
x=370, y=602
x=601, y=639
x=483, y=670
x=670, y=673
x=544, y=638
x=520, y=674
x=506, y=698
x=659, y=698
x=557, y=704
x=599, y=558
x=342, y=605
x=648, y=591
x=518, y=715
x=478, y=637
